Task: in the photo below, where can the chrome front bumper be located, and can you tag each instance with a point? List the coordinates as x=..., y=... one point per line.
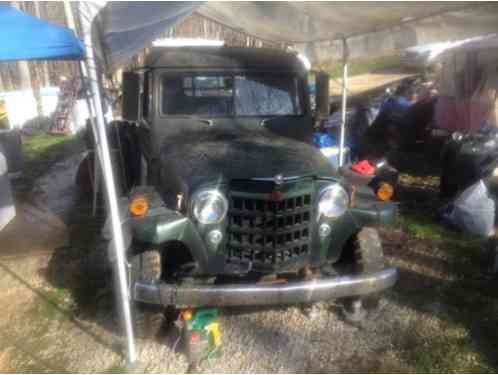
x=264, y=294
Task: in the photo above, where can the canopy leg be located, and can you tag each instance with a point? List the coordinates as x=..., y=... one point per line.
x=96, y=151
x=110, y=189
x=345, y=57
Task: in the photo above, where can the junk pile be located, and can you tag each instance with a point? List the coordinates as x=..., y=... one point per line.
x=404, y=119
x=378, y=174
x=398, y=119
x=469, y=178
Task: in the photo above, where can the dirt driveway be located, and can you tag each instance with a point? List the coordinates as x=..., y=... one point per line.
x=441, y=317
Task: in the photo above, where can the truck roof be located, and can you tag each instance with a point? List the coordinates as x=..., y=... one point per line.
x=230, y=58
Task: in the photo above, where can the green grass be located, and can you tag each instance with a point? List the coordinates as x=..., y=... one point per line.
x=455, y=243
x=116, y=369
x=50, y=307
x=468, y=303
x=42, y=151
x=37, y=147
x=455, y=309
x=426, y=228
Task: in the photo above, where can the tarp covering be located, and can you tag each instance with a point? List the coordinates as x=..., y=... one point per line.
x=469, y=86
x=305, y=22
x=124, y=28
x=24, y=37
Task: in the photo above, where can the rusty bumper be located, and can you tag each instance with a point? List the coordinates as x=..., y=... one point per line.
x=260, y=294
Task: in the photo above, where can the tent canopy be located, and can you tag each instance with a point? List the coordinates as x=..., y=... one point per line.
x=25, y=37
x=124, y=28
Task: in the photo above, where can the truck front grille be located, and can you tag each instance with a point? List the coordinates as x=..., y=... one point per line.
x=268, y=233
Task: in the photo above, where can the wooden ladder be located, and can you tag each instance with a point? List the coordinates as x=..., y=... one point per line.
x=64, y=109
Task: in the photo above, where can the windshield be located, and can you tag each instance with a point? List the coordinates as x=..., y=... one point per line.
x=231, y=95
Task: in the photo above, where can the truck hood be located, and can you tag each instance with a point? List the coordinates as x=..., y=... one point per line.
x=217, y=156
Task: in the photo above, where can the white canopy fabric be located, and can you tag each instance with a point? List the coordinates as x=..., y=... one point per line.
x=124, y=28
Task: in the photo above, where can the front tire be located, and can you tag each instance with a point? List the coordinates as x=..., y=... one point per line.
x=368, y=253
x=368, y=258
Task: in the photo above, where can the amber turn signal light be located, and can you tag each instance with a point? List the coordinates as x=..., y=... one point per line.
x=186, y=315
x=385, y=191
x=139, y=206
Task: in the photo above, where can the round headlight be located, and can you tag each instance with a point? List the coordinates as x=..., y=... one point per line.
x=334, y=201
x=209, y=207
x=456, y=136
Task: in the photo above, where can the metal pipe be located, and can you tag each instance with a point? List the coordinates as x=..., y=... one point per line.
x=345, y=56
x=260, y=294
x=112, y=199
x=96, y=151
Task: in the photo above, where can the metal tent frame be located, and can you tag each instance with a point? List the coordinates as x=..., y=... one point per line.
x=104, y=156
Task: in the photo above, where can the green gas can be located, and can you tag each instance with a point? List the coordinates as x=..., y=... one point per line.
x=201, y=334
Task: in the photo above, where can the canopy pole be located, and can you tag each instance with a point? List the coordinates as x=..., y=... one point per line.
x=96, y=150
x=110, y=188
x=345, y=57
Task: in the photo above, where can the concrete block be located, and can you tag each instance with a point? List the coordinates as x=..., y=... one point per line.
x=11, y=143
x=7, y=208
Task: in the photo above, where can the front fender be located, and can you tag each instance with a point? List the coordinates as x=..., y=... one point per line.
x=166, y=226
x=366, y=210
x=369, y=211
x=161, y=225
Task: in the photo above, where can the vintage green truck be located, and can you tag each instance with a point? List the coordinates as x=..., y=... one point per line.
x=228, y=201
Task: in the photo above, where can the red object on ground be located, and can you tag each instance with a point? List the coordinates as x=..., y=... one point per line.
x=363, y=167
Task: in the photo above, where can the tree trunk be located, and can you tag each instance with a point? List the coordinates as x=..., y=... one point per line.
x=24, y=75
x=22, y=66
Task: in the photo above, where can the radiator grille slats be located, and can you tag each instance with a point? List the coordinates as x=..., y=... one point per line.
x=268, y=233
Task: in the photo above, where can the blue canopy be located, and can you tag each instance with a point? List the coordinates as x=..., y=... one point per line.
x=24, y=37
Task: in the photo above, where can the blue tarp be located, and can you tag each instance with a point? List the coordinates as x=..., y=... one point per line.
x=24, y=37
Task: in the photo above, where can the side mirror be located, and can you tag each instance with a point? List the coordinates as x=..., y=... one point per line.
x=131, y=96
x=322, y=96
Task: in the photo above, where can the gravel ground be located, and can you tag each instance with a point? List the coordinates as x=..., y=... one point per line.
x=44, y=329
x=48, y=328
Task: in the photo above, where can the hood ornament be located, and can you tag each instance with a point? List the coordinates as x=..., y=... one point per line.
x=278, y=179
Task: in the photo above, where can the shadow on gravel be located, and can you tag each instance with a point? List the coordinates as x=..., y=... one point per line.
x=440, y=272
x=69, y=315
x=83, y=269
